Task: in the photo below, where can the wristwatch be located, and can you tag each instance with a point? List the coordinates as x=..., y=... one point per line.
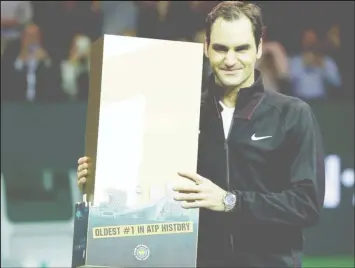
x=229, y=201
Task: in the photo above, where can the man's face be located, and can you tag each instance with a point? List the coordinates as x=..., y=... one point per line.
x=31, y=35
x=232, y=52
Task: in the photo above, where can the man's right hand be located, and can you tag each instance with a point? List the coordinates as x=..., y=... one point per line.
x=309, y=58
x=84, y=172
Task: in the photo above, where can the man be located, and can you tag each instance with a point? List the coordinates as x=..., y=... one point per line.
x=31, y=76
x=260, y=170
x=273, y=66
x=314, y=74
x=14, y=16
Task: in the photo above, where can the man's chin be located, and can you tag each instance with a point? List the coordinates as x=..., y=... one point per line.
x=230, y=82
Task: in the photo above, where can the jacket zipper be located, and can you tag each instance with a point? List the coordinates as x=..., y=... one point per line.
x=226, y=149
x=228, y=176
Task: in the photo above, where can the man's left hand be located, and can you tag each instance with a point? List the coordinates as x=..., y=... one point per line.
x=202, y=193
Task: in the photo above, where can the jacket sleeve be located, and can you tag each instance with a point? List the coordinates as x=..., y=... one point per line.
x=300, y=205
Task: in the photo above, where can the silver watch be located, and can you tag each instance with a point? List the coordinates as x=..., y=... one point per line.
x=229, y=201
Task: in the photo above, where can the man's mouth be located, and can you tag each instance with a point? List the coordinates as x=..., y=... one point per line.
x=230, y=71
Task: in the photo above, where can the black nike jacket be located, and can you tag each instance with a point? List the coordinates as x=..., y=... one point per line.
x=273, y=161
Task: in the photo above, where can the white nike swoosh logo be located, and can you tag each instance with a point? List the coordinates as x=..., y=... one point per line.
x=259, y=138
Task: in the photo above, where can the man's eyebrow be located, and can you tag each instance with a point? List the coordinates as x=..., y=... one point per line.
x=219, y=46
x=239, y=47
x=243, y=47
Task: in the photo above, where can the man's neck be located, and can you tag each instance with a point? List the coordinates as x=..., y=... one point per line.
x=229, y=96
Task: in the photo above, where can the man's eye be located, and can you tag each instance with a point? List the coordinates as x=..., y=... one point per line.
x=220, y=49
x=242, y=49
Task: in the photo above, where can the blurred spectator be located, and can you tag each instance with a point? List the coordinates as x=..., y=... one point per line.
x=185, y=20
x=75, y=69
x=342, y=53
x=198, y=11
x=331, y=43
x=91, y=19
x=31, y=75
x=200, y=37
x=273, y=66
x=333, y=37
x=313, y=73
x=178, y=24
x=151, y=18
x=120, y=17
x=168, y=20
x=62, y=20
x=14, y=16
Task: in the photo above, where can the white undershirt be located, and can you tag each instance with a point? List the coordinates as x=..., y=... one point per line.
x=227, y=116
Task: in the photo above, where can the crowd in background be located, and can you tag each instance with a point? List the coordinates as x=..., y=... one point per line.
x=45, y=46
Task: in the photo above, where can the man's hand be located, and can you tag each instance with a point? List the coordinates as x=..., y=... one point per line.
x=201, y=194
x=84, y=171
x=41, y=54
x=309, y=59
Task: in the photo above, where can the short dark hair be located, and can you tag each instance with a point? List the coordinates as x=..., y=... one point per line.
x=233, y=10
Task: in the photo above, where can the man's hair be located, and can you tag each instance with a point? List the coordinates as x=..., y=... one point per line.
x=233, y=10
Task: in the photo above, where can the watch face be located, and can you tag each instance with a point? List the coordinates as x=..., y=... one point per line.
x=230, y=199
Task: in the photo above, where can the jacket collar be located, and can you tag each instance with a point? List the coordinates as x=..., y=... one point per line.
x=247, y=100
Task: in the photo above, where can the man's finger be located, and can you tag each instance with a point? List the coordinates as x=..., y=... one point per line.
x=196, y=204
x=186, y=188
x=83, y=160
x=192, y=176
x=188, y=197
x=81, y=183
x=83, y=167
x=82, y=174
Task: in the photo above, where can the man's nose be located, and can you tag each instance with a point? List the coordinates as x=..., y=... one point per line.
x=230, y=59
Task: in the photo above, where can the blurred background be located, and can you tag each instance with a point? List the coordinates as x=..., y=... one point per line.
x=45, y=48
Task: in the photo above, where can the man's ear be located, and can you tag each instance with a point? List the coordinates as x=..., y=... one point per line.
x=260, y=49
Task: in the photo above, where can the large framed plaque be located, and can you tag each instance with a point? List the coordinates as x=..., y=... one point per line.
x=142, y=128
